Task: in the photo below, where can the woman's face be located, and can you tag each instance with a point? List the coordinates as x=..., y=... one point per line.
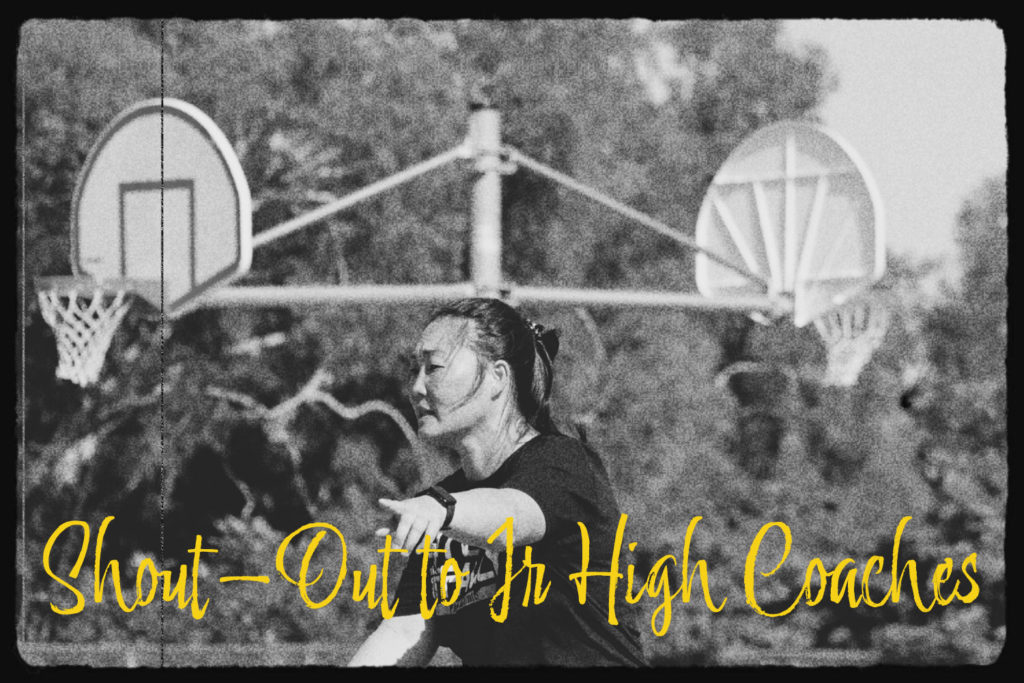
x=450, y=389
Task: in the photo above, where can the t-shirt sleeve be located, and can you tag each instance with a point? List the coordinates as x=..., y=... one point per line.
x=567, y=482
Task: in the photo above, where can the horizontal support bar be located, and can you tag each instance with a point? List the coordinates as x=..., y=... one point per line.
x=313, y=295
x=646, y=298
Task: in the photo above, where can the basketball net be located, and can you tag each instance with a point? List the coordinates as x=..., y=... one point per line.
x=851, y=334
x=84, y=325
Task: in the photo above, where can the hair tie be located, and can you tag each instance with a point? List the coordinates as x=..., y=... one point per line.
x=548, y=339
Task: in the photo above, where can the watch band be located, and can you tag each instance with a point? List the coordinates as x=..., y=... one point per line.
x=444, y=498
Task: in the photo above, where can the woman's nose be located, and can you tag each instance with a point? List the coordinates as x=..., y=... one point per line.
x=419, y=384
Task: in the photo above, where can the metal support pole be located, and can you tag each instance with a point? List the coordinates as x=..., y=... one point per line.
x=634, y=298
x=371, y=190
x=518, y=158
x=485, y=249
x=318, y=295
x=491, y=161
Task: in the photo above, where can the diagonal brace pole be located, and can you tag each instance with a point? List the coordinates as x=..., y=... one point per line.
x=359, y=195
x=520, y=159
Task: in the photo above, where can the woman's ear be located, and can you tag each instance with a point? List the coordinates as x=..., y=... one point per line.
x=502, y=375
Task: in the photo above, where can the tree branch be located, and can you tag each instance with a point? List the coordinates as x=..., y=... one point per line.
x=312, y=392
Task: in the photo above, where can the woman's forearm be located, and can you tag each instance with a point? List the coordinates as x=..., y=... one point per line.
x=481, y=512
x=399, y=641
x=478, y=514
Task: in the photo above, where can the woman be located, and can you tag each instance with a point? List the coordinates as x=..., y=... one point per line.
x=482, y=387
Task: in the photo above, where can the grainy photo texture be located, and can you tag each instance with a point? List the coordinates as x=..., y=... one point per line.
x=493, y=343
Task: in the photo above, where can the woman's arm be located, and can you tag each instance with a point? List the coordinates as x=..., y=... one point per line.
x=399, y=641
x=478, y=514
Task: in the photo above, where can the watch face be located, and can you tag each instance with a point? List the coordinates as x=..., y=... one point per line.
x=442, y=496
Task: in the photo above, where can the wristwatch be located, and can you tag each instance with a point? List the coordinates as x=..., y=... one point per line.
x=444, y=498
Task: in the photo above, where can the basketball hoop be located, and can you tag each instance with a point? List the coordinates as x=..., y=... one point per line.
x=161, y=209
x=851, y=334
x=84, y=314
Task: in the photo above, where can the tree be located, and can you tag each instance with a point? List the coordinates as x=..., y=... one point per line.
x=962, y=408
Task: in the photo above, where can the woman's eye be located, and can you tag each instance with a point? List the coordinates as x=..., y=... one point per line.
x=414, y=369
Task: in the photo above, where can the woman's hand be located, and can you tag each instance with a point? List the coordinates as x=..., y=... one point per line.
x=416, y=517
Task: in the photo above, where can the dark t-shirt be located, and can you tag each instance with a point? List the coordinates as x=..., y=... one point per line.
x=570, y=484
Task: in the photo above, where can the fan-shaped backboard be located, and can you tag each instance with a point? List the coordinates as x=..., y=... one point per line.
x=794, y=205
x=162, y=197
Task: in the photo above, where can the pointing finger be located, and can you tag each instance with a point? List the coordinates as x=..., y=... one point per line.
x=400, y=534
x=433, y=530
